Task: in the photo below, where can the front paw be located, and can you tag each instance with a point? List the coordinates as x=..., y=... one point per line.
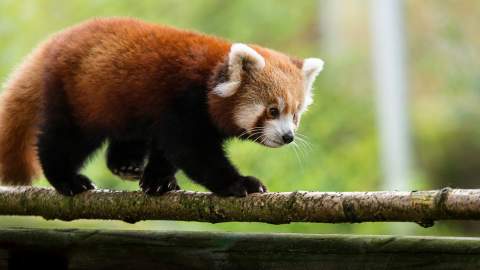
x=253, y=185
x=155, y=187
x=243, y=186
x=78, y=184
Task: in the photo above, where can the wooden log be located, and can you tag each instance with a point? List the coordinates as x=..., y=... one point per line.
x=93, y=249
x=423, y=207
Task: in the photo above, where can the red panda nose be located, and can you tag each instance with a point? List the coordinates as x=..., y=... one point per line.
x=287, y=137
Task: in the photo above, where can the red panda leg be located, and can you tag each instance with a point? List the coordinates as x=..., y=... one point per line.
x=62, y=153
x=159, y=174
x=126, y=159
x=207, y=164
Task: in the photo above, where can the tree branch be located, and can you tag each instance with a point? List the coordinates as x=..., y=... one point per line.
x=423, y=207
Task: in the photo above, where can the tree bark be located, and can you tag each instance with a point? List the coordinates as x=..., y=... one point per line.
x=422, y=207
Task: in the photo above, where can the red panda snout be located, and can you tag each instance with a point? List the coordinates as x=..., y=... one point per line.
x=279, y=131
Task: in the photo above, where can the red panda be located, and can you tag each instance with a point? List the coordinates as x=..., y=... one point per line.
x=165, y=99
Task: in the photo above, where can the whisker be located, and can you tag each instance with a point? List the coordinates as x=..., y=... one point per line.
x=254, y=130
x=300, y=135
x=250, y=130
x=258, y=140
x=303, y=146
x=294, y=147
x=305, y=143
x=253, y=134
x=302, y=149
x=264, y=139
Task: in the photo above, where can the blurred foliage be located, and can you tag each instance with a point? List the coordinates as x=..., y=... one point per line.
x=342, y=152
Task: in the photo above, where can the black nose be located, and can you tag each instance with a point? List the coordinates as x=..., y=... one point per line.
x=287, y=137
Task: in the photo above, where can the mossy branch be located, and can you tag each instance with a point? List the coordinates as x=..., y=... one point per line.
x=423, y=207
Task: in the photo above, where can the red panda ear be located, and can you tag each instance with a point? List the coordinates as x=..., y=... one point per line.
x=297, y=62
x=311, y=68
x=241, y=58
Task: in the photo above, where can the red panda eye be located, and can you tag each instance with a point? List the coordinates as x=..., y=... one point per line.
x=274, y=113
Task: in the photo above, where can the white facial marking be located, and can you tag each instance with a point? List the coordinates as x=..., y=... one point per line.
x=239, y=55
x=276, y=128
x=247, y=115
x=281, y=104
x=311, y=68
x=226, y=89
x=285, y=123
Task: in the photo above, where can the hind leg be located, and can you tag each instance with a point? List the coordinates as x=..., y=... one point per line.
x=159, y=174
x=62, y=153
x=126, y=159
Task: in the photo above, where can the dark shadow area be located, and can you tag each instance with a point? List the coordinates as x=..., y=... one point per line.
x=37, y=259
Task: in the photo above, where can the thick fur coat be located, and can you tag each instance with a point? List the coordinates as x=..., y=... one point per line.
x=164, y=99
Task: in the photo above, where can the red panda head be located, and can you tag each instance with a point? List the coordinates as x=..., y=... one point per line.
x=261, y=94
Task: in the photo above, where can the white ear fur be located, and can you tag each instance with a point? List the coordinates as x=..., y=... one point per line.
x=240, y=54
x=311, y=68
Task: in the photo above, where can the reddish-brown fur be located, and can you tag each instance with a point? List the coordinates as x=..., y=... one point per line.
x=19, y=114
x=93, y=60
x=103, y=95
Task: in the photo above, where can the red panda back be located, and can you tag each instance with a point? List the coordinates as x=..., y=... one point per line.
x=117, y=69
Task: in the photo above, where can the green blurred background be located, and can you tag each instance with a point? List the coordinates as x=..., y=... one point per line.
x=443, y=45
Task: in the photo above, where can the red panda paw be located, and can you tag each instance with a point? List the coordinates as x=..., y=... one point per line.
x=253, y=185
x=130, y=172
x=242, y=187
x=78, y=184
x=155, y=187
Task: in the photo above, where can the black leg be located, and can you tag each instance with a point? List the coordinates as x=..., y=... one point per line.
x=206, y=163
x=127, y=158
x=159, y=174
x=62, y=153
x=62, y=146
